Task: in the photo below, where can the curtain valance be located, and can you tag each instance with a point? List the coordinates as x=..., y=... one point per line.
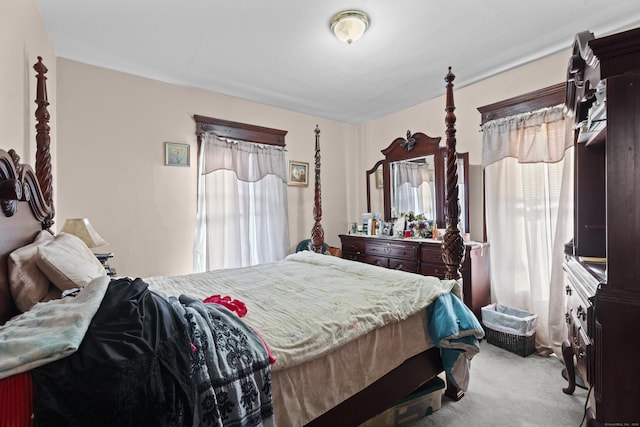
x=538, y=136
x=413, y=173
x=250, y=161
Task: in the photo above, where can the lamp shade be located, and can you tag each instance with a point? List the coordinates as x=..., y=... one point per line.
x=82, y=228
x=349, y=25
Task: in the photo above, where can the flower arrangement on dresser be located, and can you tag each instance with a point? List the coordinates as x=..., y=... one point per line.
x=419, y=226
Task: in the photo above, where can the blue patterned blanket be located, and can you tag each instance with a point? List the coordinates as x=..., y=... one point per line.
x=456, y=331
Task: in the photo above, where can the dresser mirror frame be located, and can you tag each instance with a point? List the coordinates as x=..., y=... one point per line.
x=417, y=146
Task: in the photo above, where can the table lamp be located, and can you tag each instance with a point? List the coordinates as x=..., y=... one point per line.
x=82, y=228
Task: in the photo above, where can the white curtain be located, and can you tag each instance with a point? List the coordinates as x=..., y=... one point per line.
x=242, y=215
x=413, y=188
x=529, y=216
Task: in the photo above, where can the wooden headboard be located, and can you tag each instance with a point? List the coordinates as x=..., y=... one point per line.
x=26, y=197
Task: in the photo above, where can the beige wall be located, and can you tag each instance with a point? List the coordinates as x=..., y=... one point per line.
x=112, y=129
x=23, y=37
x=109, y=130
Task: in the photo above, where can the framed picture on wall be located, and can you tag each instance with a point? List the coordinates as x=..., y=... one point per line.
x=176, y=154
x=298, y=173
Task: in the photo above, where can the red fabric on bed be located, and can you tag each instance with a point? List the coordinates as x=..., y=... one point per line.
x=232, y=304
x=16, y=401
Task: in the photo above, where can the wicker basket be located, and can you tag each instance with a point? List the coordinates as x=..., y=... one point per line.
x=518, y=344
x=510, y=328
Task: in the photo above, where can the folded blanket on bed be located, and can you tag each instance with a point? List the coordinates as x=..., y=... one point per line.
x=49, y=331
x=456, y=331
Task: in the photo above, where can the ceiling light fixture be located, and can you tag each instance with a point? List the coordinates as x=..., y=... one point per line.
x=349, y=25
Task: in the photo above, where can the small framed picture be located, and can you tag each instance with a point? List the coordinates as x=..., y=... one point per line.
x=298, y=173
x=379, y=182
x=176, y=154
x=387, y=229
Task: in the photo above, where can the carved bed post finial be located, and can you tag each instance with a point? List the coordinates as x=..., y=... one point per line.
x=453, y=252
x=43, y=141
x=317, y=233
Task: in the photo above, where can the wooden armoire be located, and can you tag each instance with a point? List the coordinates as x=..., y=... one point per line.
x=603, y=260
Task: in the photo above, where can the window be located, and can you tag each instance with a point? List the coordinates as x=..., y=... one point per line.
x=242, y=215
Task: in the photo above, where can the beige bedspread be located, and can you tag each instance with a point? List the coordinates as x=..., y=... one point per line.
x=308, y=304
x=311, y=305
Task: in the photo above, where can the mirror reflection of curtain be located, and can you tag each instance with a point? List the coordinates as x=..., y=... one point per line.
x=462, y=189
x=413, y=189
x=242, y=215
x=529, y=216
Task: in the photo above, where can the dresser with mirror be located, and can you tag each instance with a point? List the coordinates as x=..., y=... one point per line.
x=411, y=178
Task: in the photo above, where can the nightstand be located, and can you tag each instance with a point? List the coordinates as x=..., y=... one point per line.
x=104, y=258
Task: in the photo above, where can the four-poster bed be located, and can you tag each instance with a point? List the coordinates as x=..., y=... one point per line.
x=378, y=378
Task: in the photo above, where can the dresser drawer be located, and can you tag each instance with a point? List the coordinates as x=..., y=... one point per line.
x=381, y=261
x=354, y=256
x=353, y=246
x=390, y=250
x=431, y=254
x=581, y=348
x=576, y=310
x=437, y=270
x=397, y=264
x=578, y=305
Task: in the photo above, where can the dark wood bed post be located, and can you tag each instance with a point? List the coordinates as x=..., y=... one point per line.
x=317, y=232
x=43, y=142
x=453, y=246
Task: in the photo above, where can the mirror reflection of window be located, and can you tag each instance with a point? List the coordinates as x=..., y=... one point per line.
x=377, y=192
x=414, y=187
x=460, y=163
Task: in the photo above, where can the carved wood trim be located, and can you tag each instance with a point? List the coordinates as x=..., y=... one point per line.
x=453, y=245
x=531, y=101
x=415, y=145
x=18, y=182
x=43, y=142
x=239, y=131
x=583, y=67
x=617, y=53
x=317, y=232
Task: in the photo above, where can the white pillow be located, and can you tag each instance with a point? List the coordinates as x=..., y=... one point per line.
x=27, y=282
x=68, y=262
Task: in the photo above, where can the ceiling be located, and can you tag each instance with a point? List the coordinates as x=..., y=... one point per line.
x=281, y=52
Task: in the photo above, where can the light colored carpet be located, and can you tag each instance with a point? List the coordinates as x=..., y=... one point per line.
x=509, y=390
